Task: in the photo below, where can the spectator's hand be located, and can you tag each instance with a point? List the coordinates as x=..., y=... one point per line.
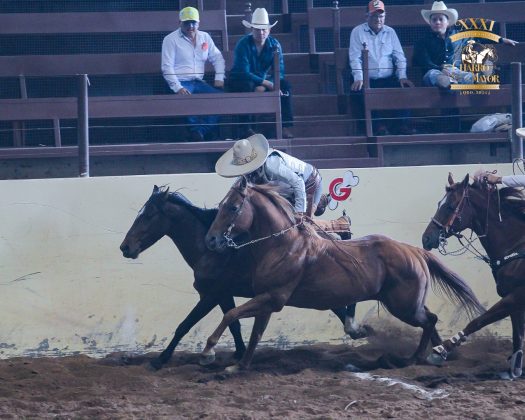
x=268, y=85
x=219, y=84
x=260, y=89
x=509, y=42
x=183, y=91
x=405, y=83
x=357, y=85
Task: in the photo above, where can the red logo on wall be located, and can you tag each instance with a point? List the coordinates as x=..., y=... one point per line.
x=337, y=192
x=341, y=188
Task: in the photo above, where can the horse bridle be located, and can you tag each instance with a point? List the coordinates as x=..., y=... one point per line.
x=446, y=227
x=227, y=234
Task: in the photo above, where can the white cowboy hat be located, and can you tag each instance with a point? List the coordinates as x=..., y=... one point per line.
x=520, y=132
x=244, y=157
x=260, y=20
x=439, y=7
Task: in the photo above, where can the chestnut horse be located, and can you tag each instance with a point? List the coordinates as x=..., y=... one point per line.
x=296, y=267
x=217, y=277
x=498, y=219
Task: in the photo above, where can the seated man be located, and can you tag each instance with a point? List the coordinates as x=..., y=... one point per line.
x=184, y=54
x=253, y=67
x=254, y=158
x=435, y=52
x=386, y=61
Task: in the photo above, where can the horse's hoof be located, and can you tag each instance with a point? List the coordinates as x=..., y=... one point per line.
x=435, y=359
x=238, y=354
x=207, y=358
x=156, y=364
x=356, y=331
x=506, y=376
x=230, y=370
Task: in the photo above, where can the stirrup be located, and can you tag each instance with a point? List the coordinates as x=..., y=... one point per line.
x=515, y=364
x=440, y=351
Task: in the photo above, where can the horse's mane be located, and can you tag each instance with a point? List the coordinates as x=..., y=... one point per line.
x=277, y=193
x=204, y=215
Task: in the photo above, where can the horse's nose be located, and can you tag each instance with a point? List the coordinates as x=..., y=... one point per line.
x=427, y=242
x=124, y=248
x=211, y=242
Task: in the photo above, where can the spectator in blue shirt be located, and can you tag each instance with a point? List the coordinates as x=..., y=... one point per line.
x=387, y=64
x=253, y=67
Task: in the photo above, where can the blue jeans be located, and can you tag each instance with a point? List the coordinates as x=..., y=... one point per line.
x=430, y=77
x=202, y=123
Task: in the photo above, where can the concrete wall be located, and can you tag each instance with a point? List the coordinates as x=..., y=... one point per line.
x=66, y=288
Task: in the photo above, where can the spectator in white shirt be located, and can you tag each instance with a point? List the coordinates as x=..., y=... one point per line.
x=184, y=54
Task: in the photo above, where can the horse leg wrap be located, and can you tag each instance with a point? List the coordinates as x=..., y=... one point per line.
x=515, y=364
x=441, y=351
x=458, y=338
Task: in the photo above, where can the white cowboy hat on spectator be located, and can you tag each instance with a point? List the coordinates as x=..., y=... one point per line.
x=439, y=7
x=260, y=20
x=244, y=157
x=520, y=132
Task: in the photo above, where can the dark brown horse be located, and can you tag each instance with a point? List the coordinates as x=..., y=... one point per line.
x=296, y=267
x=217, y=277
x=498, y=219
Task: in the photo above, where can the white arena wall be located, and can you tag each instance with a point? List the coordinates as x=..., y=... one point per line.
x=65, y=287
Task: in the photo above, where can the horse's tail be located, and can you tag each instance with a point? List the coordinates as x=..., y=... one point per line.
x=453, y=286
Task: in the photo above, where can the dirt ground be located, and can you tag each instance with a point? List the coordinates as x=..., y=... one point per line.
x=305, y=382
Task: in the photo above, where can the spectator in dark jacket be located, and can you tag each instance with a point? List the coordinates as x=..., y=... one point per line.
x=253, y=66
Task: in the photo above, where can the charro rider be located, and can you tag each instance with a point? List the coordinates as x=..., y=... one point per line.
x=253, y=158
x=509, y=180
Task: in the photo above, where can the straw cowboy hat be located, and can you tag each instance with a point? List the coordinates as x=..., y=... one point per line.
x=520, y=132
x=260, y=20
x=439, y=7
x=244, y=157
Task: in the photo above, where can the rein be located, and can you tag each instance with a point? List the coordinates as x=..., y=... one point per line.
x=232, y=244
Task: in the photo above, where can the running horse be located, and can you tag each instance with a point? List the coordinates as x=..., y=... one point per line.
x=218, y=278
x=498, y=219
x=297, y=267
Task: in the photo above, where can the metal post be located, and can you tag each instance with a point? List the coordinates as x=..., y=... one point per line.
x=248, y=16
x=517, y=111
x=366, y=77
x=337, y=25
x=285, y=7
x=83, y=126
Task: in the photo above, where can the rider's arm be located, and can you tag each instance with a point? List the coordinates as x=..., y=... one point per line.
x=512, y=180
x=278, y=171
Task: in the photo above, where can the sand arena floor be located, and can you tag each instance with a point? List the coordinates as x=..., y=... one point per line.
x=304, y=382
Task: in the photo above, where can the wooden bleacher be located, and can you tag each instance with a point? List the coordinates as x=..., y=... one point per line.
x=326, y=124
x=26, y=108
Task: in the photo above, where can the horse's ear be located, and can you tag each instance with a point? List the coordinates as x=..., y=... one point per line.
x=450, y=179
x=465, y=181
x=155, y=189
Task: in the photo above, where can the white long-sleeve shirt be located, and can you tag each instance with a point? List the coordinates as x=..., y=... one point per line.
x=181, y=60
x=513, y=180
x=285, y=168
x=384, y=51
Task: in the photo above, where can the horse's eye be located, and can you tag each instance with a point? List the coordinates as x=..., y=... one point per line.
x=234, y=208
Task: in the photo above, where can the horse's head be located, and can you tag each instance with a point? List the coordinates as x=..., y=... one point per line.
x=149, y=226
x=454, y=214
x=234, y=218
